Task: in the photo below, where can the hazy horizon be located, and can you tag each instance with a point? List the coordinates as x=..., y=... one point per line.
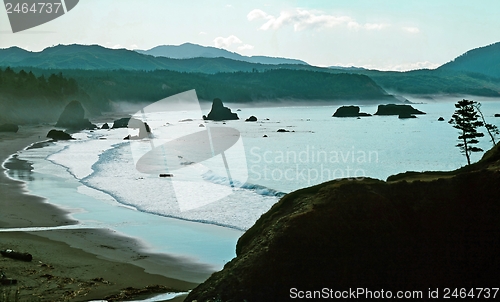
x=391, y=35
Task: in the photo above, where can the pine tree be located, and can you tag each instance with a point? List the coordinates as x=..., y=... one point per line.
x=465, y=119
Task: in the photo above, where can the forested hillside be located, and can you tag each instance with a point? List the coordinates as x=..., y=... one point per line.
x=26, y=98
x=483, y=60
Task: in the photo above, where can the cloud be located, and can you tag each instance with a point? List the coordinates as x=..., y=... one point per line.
x=246, y=47
x=304, y=19
x=407, y=66
x=221, y=42
x=202, y=33
x=375, y=26
x=412, y=30
x=257, y=14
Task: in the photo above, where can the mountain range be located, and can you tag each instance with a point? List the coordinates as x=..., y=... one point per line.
x=477, y=72
x=204, y=59
x=96, y=57
x=190, y=50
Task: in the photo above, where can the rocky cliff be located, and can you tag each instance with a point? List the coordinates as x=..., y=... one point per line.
x=418, y=231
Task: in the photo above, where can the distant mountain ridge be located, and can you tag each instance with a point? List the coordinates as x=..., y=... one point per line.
x=190, y=50
x=471, y=74
x=96, y=57
x=484, y=60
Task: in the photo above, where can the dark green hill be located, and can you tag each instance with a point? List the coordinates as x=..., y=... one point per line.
x=95, y=57
x=268, y=86
x=100, y=90
x=445, y=80
x=484, y=60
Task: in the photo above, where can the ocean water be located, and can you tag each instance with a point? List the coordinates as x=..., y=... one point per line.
x=200, y=212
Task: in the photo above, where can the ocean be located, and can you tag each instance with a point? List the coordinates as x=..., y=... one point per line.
x=213, y=196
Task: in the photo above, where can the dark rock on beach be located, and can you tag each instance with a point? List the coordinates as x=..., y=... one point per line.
x=251, y=119
x=127, y=122
x=441, y=119
x=220, y=113
x=497, y=114
x=105, y=126
x=282, y=130
x=16, y=255
x=393, y=109
x=58, y=135
x=73, y=117
x=9, y=128
x=425, y=230
x=349, y=111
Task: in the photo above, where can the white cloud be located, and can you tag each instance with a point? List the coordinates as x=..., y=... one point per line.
x=375, y=26
x=246, y=47
x=221, y=42
x=202, y=33
x=412, y=30
x=256, y=14
x=304, y=19
x=407, y=66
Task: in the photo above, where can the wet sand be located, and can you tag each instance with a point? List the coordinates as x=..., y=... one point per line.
x=74, y=264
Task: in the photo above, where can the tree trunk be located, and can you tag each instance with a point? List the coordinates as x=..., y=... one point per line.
x=466, y=148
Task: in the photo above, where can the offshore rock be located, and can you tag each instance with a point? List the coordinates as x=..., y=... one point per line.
x=220, y=113
x=73, y=117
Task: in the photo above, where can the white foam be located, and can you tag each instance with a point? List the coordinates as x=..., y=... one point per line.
x=80, y=155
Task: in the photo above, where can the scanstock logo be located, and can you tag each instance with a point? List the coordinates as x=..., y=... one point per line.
x=25, y=14
x=201, y=162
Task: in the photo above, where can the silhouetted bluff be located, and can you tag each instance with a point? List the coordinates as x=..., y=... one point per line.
x=349, y=111
x=419, y=232
x=220, y=113
x=393, y=109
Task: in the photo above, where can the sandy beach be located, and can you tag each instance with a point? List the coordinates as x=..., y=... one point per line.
x=74, y=264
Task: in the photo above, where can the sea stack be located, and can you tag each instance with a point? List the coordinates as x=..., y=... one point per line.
x=349, y=111
x=393, y=109
x=219, y=112
x=73, y=117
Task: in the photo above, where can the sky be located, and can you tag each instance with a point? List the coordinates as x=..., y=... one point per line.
x=386, y=35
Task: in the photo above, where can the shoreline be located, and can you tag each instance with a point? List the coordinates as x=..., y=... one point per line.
x=42, y=212
x=72, y=264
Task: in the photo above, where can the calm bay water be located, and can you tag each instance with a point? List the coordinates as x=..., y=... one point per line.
x=95, y=176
